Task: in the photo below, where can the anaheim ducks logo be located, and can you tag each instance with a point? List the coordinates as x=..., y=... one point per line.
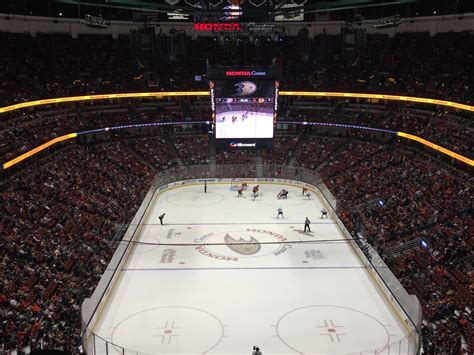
x=245, y=88
x=235, y=245
x=238, y=245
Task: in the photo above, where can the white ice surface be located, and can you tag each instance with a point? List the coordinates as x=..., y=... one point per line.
x=307, y=298
x=256, y=125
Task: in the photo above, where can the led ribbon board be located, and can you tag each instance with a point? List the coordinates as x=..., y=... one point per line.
x=206, y=93
x=38, y=149
x=135, y=95
x=105, y=129
x=380, y=97
x=420, y=140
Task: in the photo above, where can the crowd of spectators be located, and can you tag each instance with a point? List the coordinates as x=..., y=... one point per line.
x=57, y=228
x=452, y=132
x=27, y=131
x=235, y=157
x=316, y=152
x=414, y=64
x=282, y=150
x=192, y=149
x=391, y=196
x=61, y=216
x=57, y=65
x=154, y=150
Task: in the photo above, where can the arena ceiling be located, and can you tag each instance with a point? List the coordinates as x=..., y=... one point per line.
x=253, y=10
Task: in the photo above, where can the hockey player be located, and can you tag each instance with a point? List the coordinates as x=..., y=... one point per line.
x=205, y=186
x=255, y=189
x=161, y=218
x=324, y=213
x=308, y=195
x=239, y=193
x=282, y=194
x=234, y=118
x=245, y=186
x=280, y=213
x=304, y=191
x=306, y=224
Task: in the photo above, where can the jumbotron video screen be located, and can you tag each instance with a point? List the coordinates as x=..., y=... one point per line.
x=244, y=105
x=244, y=108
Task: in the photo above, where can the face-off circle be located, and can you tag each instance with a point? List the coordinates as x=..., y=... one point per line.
x=245, y=243
x=173, y=329
x=331, y=329
x=194, y=199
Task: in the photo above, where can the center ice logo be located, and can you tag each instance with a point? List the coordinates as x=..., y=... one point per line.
x=240, y=246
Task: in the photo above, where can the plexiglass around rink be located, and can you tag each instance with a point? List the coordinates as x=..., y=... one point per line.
x=224, y=273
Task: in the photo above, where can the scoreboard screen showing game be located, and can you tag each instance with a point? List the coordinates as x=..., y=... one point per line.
x=244, y=108
x=244, y=104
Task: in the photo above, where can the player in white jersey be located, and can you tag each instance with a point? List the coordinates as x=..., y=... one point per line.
x=280, y=213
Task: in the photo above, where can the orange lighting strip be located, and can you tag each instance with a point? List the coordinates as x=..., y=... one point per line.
x=38, y=149
x=380, y=97
x=134, y=95
x=206, y=93
x=437, y=147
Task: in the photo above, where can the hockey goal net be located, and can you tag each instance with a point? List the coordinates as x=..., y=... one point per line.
x=236, y=184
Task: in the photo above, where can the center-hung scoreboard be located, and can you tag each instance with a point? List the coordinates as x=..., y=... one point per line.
x=244, y=103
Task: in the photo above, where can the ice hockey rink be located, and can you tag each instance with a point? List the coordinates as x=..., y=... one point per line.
x=196, y=289
x=256, y=125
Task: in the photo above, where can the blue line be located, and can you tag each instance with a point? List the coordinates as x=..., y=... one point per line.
x=247, y=268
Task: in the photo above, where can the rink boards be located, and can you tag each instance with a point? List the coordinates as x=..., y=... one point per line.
x=190, y=285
